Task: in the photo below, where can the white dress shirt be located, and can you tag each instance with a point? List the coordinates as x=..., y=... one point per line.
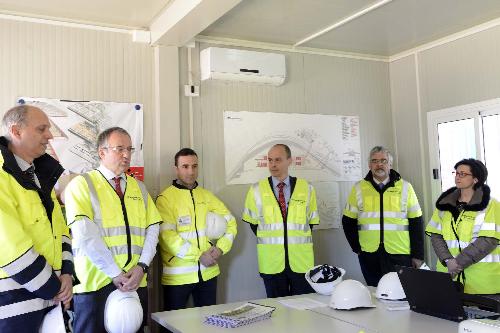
x=23, y=165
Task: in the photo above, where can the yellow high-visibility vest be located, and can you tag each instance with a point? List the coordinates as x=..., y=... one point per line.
x=399, y=204
x=482, y=277
x=183, y=233
x=123, y=231
x=262, y=209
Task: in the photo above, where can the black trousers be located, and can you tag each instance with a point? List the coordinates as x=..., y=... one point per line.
x=89, y=309
x=286, y=283
x=374, y=265
x=176, y=297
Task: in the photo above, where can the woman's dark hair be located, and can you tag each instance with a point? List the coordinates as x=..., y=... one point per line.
x=477, y=168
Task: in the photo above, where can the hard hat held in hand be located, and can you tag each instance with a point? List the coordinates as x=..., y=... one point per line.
x=389, y=287
x=323, y=278
x=351, y=294
x=123, y=312
x=216, y=225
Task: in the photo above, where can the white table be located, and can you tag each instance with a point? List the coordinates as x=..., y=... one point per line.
x=322, y=319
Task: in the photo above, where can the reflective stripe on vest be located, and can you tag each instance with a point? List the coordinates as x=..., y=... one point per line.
x=182, y=269
x=396, y=215
x=258, y=201
x=281, y=240
x=387, y=226
x=21, y=263
x=115, y=250
x=435, y=225
x=183, y=249
x=23, y=307
x=279, y=226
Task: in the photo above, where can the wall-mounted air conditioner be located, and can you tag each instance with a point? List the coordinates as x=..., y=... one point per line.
x=242, y=65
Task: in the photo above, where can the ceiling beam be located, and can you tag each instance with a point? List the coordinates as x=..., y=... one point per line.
x=345, y=20
x=182, y=20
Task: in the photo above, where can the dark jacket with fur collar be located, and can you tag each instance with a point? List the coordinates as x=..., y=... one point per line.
x=448, y=201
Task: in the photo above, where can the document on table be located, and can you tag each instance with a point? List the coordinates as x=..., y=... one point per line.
x=301, y=303
x=243, y=315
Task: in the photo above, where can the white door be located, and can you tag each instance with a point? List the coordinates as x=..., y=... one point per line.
x=470, y=131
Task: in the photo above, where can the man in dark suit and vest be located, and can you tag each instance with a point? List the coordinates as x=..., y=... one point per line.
x=281, y=211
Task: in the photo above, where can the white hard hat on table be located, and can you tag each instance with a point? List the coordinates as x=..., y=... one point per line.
x=326, y=286
x=389, y=287
x=351, y=294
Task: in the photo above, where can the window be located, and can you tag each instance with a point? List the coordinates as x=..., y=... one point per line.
x=470, y=131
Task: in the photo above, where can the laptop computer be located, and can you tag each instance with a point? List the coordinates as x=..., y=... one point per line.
x=435, y=294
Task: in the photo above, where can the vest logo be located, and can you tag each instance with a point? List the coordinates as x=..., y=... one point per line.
x=298, y=201
x=184, y=220
x=467, y=217
x=133, y=197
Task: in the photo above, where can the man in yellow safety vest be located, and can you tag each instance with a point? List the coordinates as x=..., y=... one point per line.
x=188, y=255
x=382, y=220
x=36, y=265
x=115, y=227
x=281, y=211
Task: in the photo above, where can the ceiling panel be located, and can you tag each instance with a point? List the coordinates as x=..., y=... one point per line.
x=392, y=28
x=281, y=21
x=404, y=24
x=122, y=13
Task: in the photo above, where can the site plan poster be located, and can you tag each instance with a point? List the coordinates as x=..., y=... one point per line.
x=325, y=151
x=76, y=124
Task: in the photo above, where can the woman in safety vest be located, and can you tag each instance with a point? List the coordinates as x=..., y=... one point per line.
x=465, y=230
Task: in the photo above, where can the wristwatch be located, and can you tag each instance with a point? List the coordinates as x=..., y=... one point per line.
x=143, y=266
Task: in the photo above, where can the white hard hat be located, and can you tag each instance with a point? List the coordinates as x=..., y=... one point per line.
x=123, y=312
x=350, y=294
x=216, y=225
x=389, y=287
x=323, y=278
x=53, y=322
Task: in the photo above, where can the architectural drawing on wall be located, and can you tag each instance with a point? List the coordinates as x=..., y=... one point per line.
x=75, y=126
x=324, y=147
x=327, y=198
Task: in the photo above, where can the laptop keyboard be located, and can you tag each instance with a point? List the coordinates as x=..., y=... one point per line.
x=476, y=313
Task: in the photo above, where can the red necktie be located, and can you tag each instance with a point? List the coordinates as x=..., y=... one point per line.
x=281, y=200
x=118, y=187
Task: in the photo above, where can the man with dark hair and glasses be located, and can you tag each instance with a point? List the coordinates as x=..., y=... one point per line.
x=115, y=227
x=382, y=220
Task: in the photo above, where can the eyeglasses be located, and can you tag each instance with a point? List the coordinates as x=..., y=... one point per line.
x=382, y=161
x=461, y=174
x=120, y=149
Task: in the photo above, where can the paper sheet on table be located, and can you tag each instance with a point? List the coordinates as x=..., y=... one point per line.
x=302, y=303
x=395, y=305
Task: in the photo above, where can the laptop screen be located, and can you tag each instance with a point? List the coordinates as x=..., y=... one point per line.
x=432, y=293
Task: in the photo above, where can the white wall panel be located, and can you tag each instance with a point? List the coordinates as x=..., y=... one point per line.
x=43, y=60
x=314, y=84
